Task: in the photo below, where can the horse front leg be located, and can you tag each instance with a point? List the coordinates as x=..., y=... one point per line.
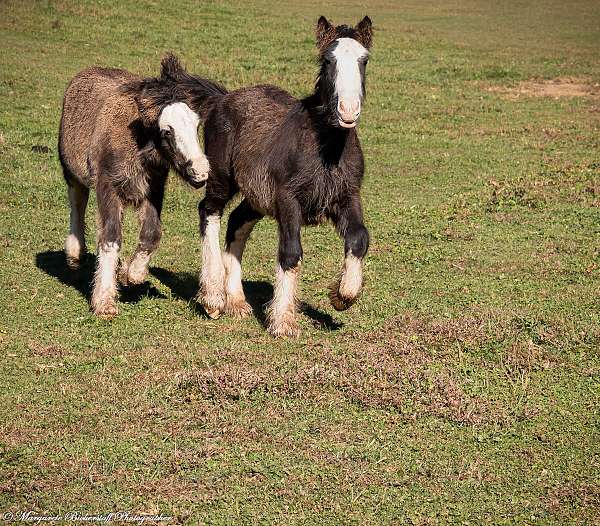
x=212, y=274
x=136, y=271
x=110, y=214
x=346, y=289
x=281, y=313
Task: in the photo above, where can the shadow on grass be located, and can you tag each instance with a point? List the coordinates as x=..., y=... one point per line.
x=184, y=285
x=54, y=264
x=320, y=319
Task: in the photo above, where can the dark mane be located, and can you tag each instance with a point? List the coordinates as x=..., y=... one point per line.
x=174, y=84
x=184, y=82
x=170, y=67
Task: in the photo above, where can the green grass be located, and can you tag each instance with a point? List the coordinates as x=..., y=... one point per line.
x=462, y=389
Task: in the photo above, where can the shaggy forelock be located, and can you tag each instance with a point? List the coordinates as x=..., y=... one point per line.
x=333, y=34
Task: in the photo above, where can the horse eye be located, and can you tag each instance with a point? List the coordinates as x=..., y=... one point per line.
x=167, y=132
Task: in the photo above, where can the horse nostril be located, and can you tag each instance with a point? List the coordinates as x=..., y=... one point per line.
x=349, y=111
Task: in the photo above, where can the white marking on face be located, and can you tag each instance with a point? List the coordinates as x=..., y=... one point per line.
x=348, y=82
x=184, y=122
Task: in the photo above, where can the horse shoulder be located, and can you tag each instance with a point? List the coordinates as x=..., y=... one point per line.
x=115, y=149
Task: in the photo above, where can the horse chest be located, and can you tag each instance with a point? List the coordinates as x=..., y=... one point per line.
x=131, y=181
x=321, y=194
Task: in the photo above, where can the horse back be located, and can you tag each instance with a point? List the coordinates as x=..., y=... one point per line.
x=241, y=132
x=85, y=115
x=273, y=144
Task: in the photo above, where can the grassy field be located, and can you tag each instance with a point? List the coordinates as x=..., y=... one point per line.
x=463, y=388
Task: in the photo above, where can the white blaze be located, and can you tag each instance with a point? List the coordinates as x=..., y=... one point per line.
x=184, y=122
x=348, y=82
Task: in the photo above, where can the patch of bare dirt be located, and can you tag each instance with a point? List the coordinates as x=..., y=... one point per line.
x=555, y=88
x=571, y=183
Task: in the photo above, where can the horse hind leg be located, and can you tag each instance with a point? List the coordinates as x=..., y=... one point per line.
x=281, y=312
x=75, y=247
x=239, y=227
x=136, y=271
x=110, y=215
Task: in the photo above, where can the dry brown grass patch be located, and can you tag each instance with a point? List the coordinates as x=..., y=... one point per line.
x=405, y=366
x=584, y=496
x=46, y=351
x=555, y=88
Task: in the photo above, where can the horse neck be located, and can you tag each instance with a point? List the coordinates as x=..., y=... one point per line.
x=332, y=141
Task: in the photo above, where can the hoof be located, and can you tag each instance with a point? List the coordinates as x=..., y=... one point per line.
x=122, y=274
x=238, y=307
x=213, y=314
x=137, y=277
x=286, y=326
x=107, y=311
x=338, y=301
x=104, y=304
x=75, y=251
x=131, y=275
x=213, y=303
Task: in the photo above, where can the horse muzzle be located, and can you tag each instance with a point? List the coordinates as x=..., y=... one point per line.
x=197, y=173
x=348, y=113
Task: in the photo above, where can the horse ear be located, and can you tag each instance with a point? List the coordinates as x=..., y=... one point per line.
x=147, y=109
x=137, y=91
x=365, y=31
x=170, y=67
x=323, y=27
